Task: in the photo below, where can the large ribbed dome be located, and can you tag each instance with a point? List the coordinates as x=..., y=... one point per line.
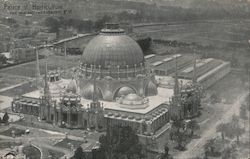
x=112, y=48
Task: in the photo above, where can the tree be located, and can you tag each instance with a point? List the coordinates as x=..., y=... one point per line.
x=234, y=129
x=215, y=98
x=27, y=22
x=145, y=44
x=79, y=154
x=243, y=113
x=222, y=129
x=3, y=59
x=5, y=118
x=178, y=133
x=100, y=23
x=120, y=141
x=193, y=125
x=165, y=155
x=228, y=152
x=209, y=147
x=234, y=60
x=53, y=24
x=179, y=137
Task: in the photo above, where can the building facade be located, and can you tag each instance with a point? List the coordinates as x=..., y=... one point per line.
x=112, y=86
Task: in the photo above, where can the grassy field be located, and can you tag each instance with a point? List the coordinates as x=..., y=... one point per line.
x=221, y=38
x=65, y=143
x=32, y=152
x=7, y=80
x=229, y=87
x=53, y=62
x=27, y=72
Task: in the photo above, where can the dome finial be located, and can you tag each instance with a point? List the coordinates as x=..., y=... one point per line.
x=112, y=26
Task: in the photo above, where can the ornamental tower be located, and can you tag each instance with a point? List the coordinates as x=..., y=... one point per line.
x=46, y=100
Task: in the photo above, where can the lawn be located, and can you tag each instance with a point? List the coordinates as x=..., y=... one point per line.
x=53, y=62
x=220, y=39
x=8, y=144
x=230, y=87
x=18, y=132
x=32, y=152
x=19, y=90
x=65, y=143
x=55, y=154
x=9, y=80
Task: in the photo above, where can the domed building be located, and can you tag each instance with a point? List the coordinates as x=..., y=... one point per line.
x=117, y=62
x=112, y=85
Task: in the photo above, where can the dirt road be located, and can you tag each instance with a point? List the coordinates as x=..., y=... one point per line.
x=195, y=147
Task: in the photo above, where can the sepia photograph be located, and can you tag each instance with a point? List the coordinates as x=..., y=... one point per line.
x=124, y=79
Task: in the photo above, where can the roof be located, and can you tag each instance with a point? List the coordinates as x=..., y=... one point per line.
x=112, y=49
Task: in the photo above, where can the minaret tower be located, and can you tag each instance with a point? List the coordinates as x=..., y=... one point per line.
x=194, y=71
x=47, y=95
x=96, y=111
x=176, y=111
x=38, y=76
x=45, y=107
x=46, y=85
x=176, y=84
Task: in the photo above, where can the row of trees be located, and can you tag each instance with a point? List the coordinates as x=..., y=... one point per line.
x=231, y=129
x=121, y=142
x=55, y=24
x=182, y=130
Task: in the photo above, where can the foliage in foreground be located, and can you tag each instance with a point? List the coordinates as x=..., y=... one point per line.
x=121, y=143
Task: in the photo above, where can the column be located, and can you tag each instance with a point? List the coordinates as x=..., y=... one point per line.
x=118, y=72
x=140, y=129
x=85, y=65
x=69, y=117
x=79, y=118
x=55, y=115
x=149, y=129
x=100, y=73
x=109, y=68
x=127, y=70
x=91, y=66
x=135, y=70
x=96, y=120
x=141, y=68
x=48, y=111
x=60, y=116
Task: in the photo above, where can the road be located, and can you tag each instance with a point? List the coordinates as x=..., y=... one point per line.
x=195, y=147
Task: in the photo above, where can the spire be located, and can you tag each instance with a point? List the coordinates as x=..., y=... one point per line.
x=94, y=97
x=176, y=84
x=46, y=85
x=37, y=69
x=194, y=70
x=65, y=57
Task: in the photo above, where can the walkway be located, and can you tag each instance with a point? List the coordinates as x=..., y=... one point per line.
x=195, y=147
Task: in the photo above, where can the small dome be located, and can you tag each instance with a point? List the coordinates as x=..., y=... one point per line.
x=72, y=86
x=133, y=97
x=88, y=92
x=151, y=89
x=125, y=91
